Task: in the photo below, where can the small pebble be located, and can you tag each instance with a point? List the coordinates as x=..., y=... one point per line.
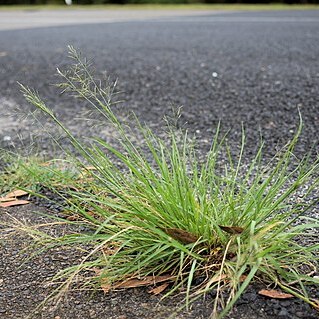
x=283, y=313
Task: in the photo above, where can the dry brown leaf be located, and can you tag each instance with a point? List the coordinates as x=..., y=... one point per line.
x=146, y=281
x=157, y=290
x=235, y=230
x=275, y=294
x=133, y=282
x=73, y=218
x=16, y=193
x=14, y=203
x=181, y=235
x=6, y=199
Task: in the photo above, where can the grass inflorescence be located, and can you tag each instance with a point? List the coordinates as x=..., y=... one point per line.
x=155, y=209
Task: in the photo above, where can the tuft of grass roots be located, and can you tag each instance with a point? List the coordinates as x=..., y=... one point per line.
x=154, y=209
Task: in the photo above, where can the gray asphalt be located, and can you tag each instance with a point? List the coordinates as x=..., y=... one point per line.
x=250, y=67
x=22, y=19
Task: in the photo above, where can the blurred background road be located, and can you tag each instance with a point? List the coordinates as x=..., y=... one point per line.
x=32, y=18
x=255, y=68
x=252, y=68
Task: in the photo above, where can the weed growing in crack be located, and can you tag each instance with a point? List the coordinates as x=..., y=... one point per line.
x=154, y=213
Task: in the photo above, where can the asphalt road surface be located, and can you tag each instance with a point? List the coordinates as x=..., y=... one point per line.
x=252, y=67
x=11, y=20
x=255, y=68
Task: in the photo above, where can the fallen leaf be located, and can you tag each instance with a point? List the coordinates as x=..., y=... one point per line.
x=157, y=290
x=146, y=281
x=275, y=294
x=6, y=199
x=72, y=218
x=14, y=203
x=181, y=235
x=133, y=282
x=16, y=193
x=232, y=229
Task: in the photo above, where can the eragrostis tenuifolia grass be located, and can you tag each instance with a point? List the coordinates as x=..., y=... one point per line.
x=162, y=212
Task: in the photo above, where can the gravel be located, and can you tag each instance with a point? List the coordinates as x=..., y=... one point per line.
x=252, y=68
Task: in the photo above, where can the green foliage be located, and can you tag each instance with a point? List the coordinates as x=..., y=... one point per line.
x=32, y=173
x=155, y=209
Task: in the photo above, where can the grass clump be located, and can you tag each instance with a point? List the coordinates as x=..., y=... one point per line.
x=154, y=209
x=32, y=173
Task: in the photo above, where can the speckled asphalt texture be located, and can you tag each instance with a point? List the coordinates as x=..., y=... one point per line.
x=255, y=68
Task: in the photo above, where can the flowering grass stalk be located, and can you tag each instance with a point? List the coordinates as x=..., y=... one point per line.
x=163, y=212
